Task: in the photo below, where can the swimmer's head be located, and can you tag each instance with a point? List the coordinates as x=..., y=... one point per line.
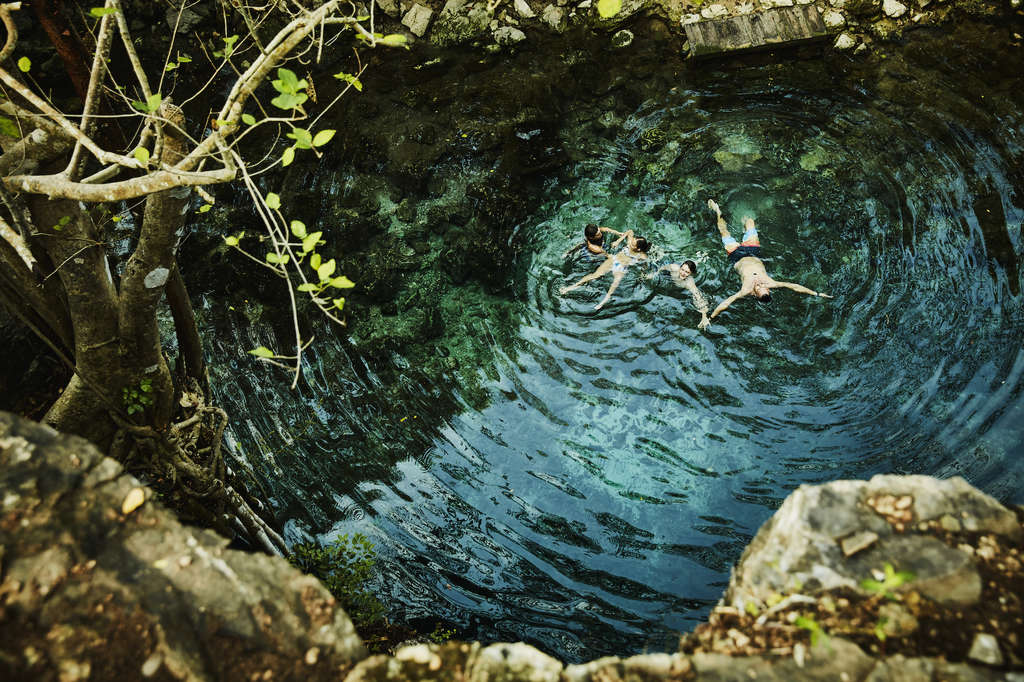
x=591, y=231
x=761, y=291
x=642, y=245
x=692, y=266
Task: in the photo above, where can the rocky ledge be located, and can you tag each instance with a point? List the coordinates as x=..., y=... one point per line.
x=896, y=578
x=495, y=25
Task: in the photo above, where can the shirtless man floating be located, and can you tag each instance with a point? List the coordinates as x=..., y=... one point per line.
x=745, y=257
x=635, y=252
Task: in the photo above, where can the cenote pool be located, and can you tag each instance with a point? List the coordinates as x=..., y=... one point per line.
x=587, y=487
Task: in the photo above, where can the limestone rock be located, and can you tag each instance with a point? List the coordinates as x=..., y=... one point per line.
x=130, y=594
x=554, y=17
x=715, y=11
x=985, y=649
x=392, y=8
x=417, y=19
x=894, y=8
x=801, y=543
x=507, y=35
x=524, y=10
x=455, y=25
x=833, y=19
x=689, y=19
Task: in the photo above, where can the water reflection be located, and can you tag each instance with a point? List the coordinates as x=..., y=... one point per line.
x=589, y=488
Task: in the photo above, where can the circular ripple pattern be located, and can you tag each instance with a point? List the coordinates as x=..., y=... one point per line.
x=595, y=502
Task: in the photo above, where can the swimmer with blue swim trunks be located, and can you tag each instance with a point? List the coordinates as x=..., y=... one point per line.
x=746, y=258
x=635, y=252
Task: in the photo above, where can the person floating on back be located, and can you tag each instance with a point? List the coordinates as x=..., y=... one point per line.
x=635, y=252
x=683, y=274
x=593, y=240
x=746, y=258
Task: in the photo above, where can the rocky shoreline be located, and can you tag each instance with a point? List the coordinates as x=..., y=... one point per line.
x=896, y=578
x=493, y=25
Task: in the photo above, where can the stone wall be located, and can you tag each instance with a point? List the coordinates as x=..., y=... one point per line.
x=897, y=578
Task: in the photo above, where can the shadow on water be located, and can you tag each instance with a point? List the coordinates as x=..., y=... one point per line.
x=533, y=470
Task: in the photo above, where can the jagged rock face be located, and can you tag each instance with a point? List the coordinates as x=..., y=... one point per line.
x=833, y=536
x=98, y=581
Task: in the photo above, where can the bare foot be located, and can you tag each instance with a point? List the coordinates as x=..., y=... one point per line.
x=714, y=207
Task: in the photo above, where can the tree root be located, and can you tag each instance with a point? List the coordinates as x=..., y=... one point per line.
x=186, y=464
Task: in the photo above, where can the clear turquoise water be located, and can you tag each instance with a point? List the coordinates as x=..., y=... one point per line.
x=595, y=501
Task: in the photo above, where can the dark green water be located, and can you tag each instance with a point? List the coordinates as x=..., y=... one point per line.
x=587, y=487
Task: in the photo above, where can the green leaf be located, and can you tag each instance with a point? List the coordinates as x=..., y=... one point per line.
x=262, y=352
x=184, y=59
x=275, y=259
x=314, y=261
x=298, y=229
x=101, y=11
x=287, y=156
x=25, y=64
x=288, y=80
x=231, y=241
x=323, y=137
x=142, y=155
x=303, y=138
x=326, y=270
x=205, y=207
x=151, y=104
x=273, y=201
x=339, y=303
x=170, y=67
x=248, y=119
x=349, y=78
x=608, y=8
x=308, y=286
x=229, y=45
x=394, y=40
x=310, y=241
x=289, y=101
x=342, y=282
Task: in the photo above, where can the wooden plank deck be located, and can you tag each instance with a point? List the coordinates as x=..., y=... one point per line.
x=768, y=29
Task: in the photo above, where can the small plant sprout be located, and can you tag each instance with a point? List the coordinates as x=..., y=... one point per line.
x=884, y=583
x=137, y=398
x=818, y=634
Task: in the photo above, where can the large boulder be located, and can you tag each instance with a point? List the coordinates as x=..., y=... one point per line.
x=99, y=581
x=837, y=535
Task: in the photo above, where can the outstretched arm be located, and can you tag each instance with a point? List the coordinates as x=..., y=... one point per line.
x=616, y=278
x=800, y=289
x=610, y=230
x=572, y=251
x=700, y=303
x=726, y=303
